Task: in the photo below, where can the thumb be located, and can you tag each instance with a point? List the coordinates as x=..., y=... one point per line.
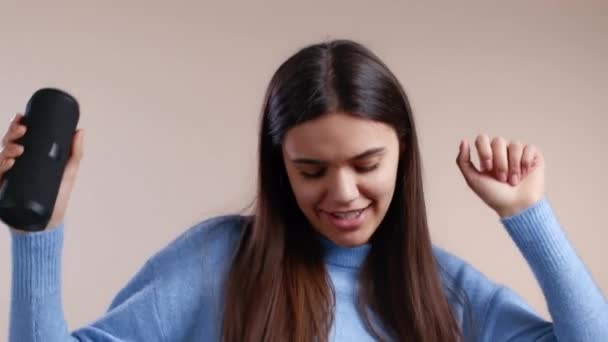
x=76, y=153
x=466, y=166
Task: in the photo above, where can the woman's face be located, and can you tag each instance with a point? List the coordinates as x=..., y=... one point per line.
x=342, y=170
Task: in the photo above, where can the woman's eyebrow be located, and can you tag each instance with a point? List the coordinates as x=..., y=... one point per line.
x=366, y=154
x=369, y=153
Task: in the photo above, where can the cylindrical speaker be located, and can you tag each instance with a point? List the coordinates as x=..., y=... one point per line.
x=29, y=188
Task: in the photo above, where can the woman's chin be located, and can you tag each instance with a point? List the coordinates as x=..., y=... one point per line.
x=349, y=239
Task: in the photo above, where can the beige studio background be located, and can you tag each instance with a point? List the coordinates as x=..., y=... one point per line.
x=170, y=95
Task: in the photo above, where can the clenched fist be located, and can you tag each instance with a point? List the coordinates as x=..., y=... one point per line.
x=511, y=176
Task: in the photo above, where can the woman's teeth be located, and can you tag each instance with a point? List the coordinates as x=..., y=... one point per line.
x=348, y=215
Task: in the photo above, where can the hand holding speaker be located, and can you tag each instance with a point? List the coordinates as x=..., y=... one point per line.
x=41, y=152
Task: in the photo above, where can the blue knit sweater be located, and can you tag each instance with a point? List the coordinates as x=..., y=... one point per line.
x=177, y=294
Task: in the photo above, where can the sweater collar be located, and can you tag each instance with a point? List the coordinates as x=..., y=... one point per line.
x=351, y=257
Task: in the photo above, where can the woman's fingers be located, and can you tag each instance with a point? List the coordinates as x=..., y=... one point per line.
x=15, y=131
x=507, y=161
x=484, y=151
x=8, y=155
x=499, y=154
x=527, y=159
x=11, y=151
x=514, y=152
x=6, y=164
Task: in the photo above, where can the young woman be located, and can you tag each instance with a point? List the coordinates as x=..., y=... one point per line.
x=338, y=247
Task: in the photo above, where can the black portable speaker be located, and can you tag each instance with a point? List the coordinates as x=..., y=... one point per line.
x=29, y=188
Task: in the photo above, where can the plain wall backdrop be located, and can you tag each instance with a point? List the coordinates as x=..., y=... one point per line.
x=171, y=92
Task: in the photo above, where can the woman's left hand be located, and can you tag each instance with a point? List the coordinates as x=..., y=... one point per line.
x=512, y=174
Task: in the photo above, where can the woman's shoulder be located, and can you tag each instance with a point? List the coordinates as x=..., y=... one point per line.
x=211, y=240
x=463, y=283
x=187, y=275
x=199, y=256
x=222, y=230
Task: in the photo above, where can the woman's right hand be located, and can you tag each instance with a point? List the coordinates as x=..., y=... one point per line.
x=11, y=151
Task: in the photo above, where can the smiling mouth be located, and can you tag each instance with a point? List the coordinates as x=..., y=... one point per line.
x=346, y=213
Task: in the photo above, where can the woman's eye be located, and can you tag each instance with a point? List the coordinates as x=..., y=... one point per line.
x=367, y=168
x=317, y=174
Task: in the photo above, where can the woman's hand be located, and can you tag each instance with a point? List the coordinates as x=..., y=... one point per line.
x=512, y=174
x=11, y=151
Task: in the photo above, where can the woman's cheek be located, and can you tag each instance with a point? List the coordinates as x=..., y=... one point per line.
x=381, y=184
x=307, y=194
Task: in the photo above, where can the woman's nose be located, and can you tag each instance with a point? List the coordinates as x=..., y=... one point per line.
x=343, y=188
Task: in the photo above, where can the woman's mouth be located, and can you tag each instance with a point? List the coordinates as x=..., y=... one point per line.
x=351, y=219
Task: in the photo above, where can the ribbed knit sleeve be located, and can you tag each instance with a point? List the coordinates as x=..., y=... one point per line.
x=36, y=313
x=578, y=309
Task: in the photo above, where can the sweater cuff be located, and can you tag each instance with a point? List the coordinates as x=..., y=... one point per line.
x=537, y=233
x=36, y=262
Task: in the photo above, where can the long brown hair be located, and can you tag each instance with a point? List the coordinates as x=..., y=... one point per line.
x=278, y=288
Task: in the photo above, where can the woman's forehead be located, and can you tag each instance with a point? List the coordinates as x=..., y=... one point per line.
x=337, y=136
